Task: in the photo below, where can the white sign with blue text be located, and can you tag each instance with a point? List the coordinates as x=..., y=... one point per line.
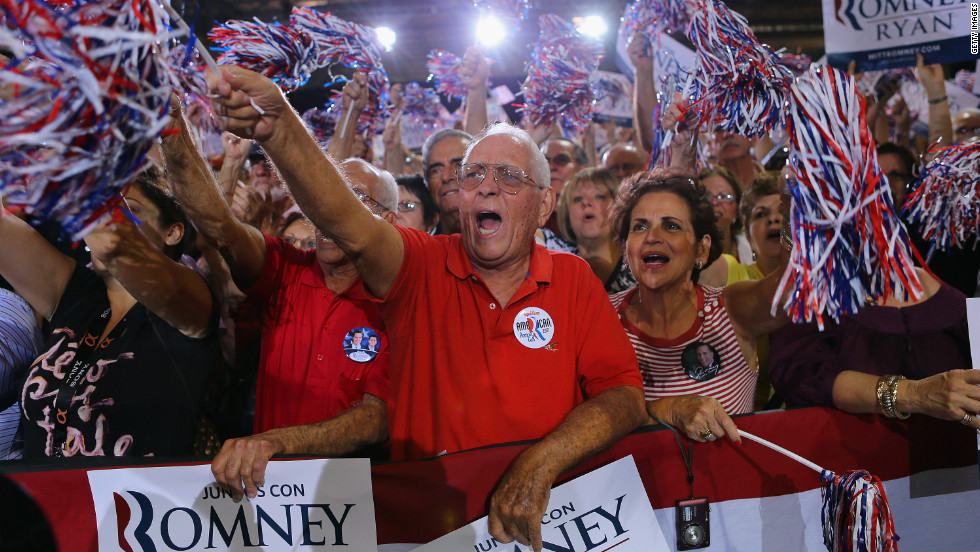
x=322, y=505
x=602, y=509
x=884, y=34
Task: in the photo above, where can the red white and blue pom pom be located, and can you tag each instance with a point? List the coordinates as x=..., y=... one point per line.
x=422, y=106
x=650, y=18
x=560, y=85
x=89, y=94
x=965, y=79
x=849, y=244
x=511, y=11
x=285, y=54
x=444, y=72
x=739, y=83
x=322, y=122
x=855, y=514
x=944, y=201
x=351, y=44
x=798, y=63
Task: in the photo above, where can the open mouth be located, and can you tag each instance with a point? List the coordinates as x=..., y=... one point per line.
x=488, y=222
x=449, y=192
x=773, y=235
x=655, y=260
x=589, y=218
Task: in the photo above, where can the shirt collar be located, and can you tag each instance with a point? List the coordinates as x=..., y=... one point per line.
x=314, y=278
x=458, y=262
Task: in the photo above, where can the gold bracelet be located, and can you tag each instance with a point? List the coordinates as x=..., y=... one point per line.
x=880, y=392
x=893, y=397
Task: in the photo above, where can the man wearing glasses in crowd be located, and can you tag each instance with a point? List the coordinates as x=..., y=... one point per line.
x=306, y=301
x=540, y=352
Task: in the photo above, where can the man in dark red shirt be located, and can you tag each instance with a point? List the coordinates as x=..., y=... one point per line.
x=310, y=303
x=468, y=368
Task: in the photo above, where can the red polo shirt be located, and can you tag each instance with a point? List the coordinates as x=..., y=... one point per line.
x=469, y=372
x=306, y=372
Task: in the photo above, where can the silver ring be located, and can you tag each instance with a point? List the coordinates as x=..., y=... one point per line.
x=967, y=419
x=707, y=435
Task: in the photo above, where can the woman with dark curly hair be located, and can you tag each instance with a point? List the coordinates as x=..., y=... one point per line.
x=667, y=226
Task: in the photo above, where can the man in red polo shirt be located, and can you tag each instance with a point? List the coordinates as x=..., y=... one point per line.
x=494, y=339
x=310, y=303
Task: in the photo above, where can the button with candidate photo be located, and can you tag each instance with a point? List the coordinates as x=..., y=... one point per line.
x=700, y=361
x=362, y=344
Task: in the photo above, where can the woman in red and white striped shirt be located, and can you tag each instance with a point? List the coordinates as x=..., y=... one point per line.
x=696, y=345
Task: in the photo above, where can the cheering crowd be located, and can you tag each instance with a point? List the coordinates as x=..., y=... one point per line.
x=502, y=284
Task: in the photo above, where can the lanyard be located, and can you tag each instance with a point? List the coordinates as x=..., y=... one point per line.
x=78, y=372
x=688, y=458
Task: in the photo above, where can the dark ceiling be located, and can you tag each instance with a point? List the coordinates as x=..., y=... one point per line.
x=422, y=25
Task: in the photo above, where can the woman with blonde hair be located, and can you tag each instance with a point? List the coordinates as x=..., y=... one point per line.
x=584, y=221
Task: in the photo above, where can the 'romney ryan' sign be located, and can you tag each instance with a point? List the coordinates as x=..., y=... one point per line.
x=882, y=34
x=322, y=505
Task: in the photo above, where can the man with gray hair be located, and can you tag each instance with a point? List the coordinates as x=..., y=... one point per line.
x=494, y=339
x=442, y=154
x=308, y=302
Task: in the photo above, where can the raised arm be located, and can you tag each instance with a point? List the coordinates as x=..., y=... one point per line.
x=644, y=91
x=166, y=288
x=940, y=123
x=394, y=156
x=354, y=98
x=38, y=272
x=236, y=155
x=319, y=189
x=242, y=246
x=474, y=73
x=240, y=466
x=521, y=497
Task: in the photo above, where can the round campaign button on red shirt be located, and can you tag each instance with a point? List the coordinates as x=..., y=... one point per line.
x=534, y=327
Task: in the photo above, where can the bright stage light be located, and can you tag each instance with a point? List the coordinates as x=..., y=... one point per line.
x=490, y=31
x=592, y=25
x=386, y=36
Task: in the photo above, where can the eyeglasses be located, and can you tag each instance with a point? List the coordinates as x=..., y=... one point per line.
x=406, y=206
x=372, y=204
x=974, y=131
x=308, y=243
x=560, y=159
x=722, y=198
x=664, y=182
x=510, y=180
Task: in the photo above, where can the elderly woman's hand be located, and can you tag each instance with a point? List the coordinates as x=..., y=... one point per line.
x=700, y=418
x=948, y=396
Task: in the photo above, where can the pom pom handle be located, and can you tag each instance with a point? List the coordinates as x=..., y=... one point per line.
x=781, y=450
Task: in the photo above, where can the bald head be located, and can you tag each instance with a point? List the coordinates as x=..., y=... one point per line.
x=374, y=182
x=624, y=160
x=966, y=126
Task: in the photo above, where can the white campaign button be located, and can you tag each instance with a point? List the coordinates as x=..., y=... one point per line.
x=534, y=327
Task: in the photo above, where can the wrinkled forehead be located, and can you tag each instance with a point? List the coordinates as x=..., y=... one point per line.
x=557, y=146
x=501, y=148
x=967, y=118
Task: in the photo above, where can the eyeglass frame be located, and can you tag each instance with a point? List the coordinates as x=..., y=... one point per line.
x=721, y=198
x=496, y=167
x=373, y=205
x=298, y=243
x=410, y=206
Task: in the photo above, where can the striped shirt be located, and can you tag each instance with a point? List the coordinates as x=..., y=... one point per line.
x=704, y=360
x=20, y=341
